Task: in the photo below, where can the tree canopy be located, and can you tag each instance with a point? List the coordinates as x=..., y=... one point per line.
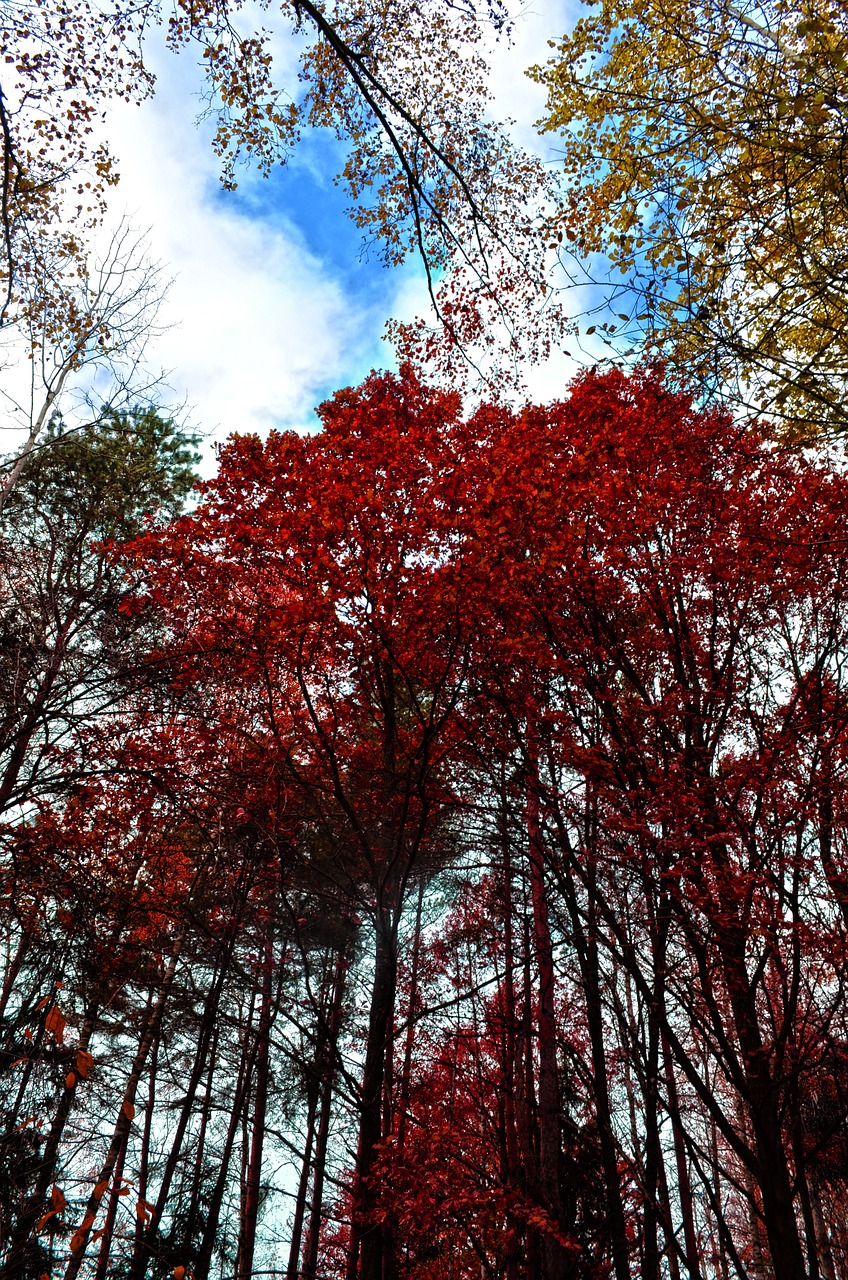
x=464, y=886
x=704, y=153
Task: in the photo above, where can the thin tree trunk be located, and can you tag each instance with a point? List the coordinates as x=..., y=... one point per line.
x=293, y=1269
x=207, y=1037
x=684, y=1185
x=366, y=1231
x=210, y=1234
x=13, y=969
x=122, y=1124
x=513, y=1235
x=406, y=1069
x=111, y=1214
x=587, y=948
x=550, y=1133
x=253, y=1183
x=313, y=1234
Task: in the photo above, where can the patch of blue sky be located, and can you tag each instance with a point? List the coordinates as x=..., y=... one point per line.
x=305, y=193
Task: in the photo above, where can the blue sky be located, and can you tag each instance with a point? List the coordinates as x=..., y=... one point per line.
x=272, y=306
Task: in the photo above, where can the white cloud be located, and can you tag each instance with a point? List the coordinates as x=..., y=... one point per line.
x=258, y=324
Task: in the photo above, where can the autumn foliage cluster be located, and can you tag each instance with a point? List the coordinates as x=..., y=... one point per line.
x=435, y=866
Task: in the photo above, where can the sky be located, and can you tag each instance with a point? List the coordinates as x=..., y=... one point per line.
x=271, y=305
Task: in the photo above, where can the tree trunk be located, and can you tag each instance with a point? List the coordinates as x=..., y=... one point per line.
x=587, y=949
x=313, y=1234
x=556, y=1258
x=366, y=1231
x=253, y=1182
x=122, y=1124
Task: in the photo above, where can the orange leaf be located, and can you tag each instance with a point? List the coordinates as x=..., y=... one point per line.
x=46, y=1218
x=55, y=1022
x=128, y=1110
x=77, y=1241
x=85, y=1061
x=179, y=1273
x=70, y=1080
x=100, y=1188
x=57, y=1195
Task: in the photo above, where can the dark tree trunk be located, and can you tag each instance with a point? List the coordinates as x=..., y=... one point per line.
x=366, y=1230
x=556, y=1259
x=253, y=1182
x=313, y=1235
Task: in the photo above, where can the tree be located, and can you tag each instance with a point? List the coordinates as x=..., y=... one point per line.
x=403, y=85
x=467, y=873
x=677, y=637
x=76, y=327
x=67, y=649
x=311, y=569
x=704, y=158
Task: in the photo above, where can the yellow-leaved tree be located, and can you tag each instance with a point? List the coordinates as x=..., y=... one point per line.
x=706, y=161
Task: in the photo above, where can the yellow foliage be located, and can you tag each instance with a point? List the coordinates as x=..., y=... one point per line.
x=706, y=155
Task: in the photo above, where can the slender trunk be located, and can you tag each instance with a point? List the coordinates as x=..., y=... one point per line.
x=200, y=1150
x=763, y=1098
x=550, y=1134
x=36, y=1204
x=253, y=1182
x=313, y=1234
x=366, y=1230
x=47, y=1169
x=587, y=947
x=823, y=1245
x=111, y=1214
x=684, y=1185
x=293, y=1270
x=122, y=1124
x=672, y=1247
x=406, y=1069
x=145, y=1244
x=210, y=1234
x=527, y=1100
x=513, y=1234
x=806, y=1202
x=13, y=969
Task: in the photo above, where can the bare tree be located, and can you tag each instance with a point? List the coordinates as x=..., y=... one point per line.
x=78, y=328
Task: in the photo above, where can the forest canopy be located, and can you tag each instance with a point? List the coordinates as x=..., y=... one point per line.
x=424, y=840
x=458, y=880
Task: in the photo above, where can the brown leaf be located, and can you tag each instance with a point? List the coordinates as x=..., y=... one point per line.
x=84, y=1063
x=55, y=1022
